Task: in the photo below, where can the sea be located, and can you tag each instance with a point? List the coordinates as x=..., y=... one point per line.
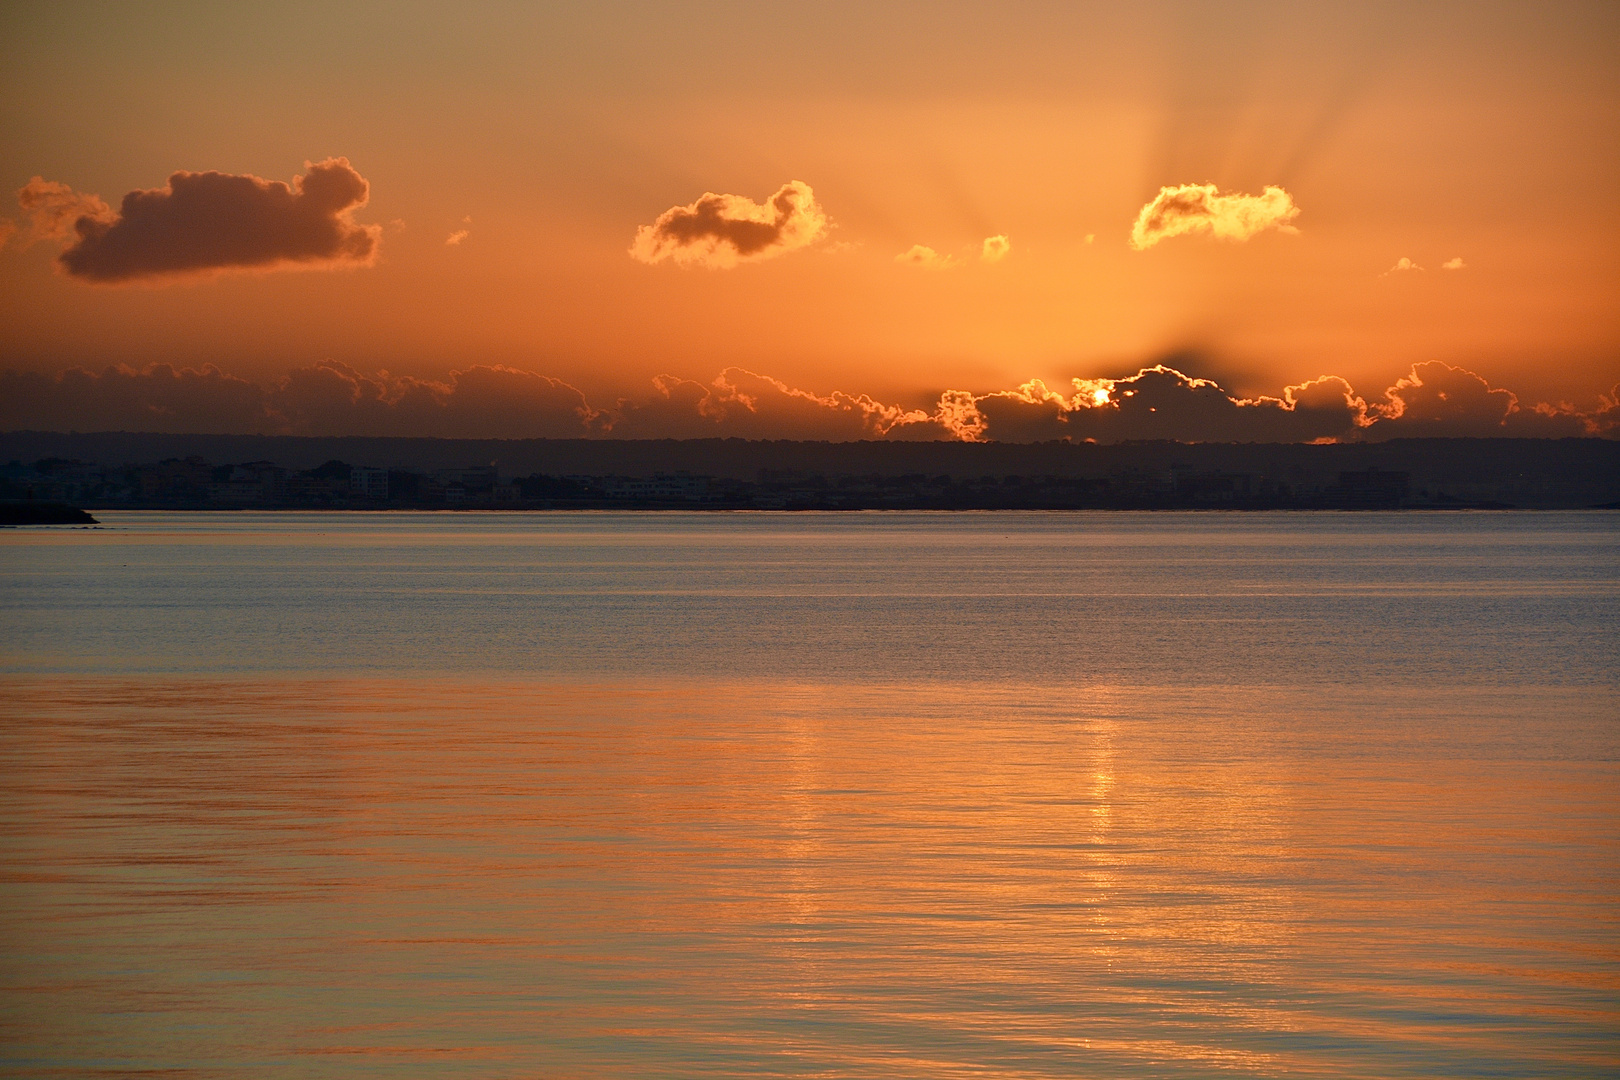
x=970, y=795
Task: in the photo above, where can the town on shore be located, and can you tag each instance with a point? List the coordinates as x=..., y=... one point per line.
x=737, y=475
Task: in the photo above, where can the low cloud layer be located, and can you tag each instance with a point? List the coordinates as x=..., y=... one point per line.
x=1439, y=399
x=327, y=398
x=1158, y=402
x=720, y=231
x=1192, y=209
x=208, y=221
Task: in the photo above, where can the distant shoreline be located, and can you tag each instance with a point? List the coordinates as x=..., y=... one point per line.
x=685, y=509
x=122, y=470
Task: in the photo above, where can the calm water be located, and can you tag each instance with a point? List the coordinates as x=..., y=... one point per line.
x=901, y=795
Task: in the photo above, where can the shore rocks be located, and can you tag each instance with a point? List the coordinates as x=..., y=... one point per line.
x=43, y=513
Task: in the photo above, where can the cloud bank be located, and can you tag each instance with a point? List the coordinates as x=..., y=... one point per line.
x=1158, y=402
x=720, y=231
x=209, y=221
x=322, y=399
x=1198, y=208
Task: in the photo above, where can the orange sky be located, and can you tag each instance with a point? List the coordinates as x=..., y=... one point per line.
x=550, y=134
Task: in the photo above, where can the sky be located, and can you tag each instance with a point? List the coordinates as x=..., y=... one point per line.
x=841, y=220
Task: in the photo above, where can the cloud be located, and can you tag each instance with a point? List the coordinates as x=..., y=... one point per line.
x=745, y=404
x=925, y=258
x=1157, y=402
x=160, y=398
x=1438, y=399
x=456, y=237
x=484, y=401
x=1197, y=208
x=992, y=250
x=212, y=221
x=1454, y=264
x=327, y=398
x=480, y=402
x=53, y=207
x=1402, y=265
x=719, y=231
x=1605, y=421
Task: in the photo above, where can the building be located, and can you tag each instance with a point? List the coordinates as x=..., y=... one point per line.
x=682, y=487
x=368, y=483
x=475, y=480
x=1373, y=487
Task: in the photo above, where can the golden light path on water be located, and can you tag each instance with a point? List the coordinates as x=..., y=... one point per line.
x=290, y=869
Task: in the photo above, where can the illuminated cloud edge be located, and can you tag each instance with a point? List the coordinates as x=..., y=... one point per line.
x=721, y=231
x=484, y=401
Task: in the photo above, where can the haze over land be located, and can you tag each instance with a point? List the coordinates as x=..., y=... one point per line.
x=1268, y=222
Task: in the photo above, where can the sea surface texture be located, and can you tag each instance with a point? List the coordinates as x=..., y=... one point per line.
x=768, y=795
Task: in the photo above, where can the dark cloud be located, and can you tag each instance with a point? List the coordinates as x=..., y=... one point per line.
x=1438, y=399
x=748, y=405
x=1238, y=377
x=481, y=402
x=217, y=221
x=1158, y=402
x=161, y=398
x=323, y=399
x=719, y=231
x=1606, y=419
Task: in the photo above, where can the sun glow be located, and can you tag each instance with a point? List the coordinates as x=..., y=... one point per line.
x=1092, y=393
